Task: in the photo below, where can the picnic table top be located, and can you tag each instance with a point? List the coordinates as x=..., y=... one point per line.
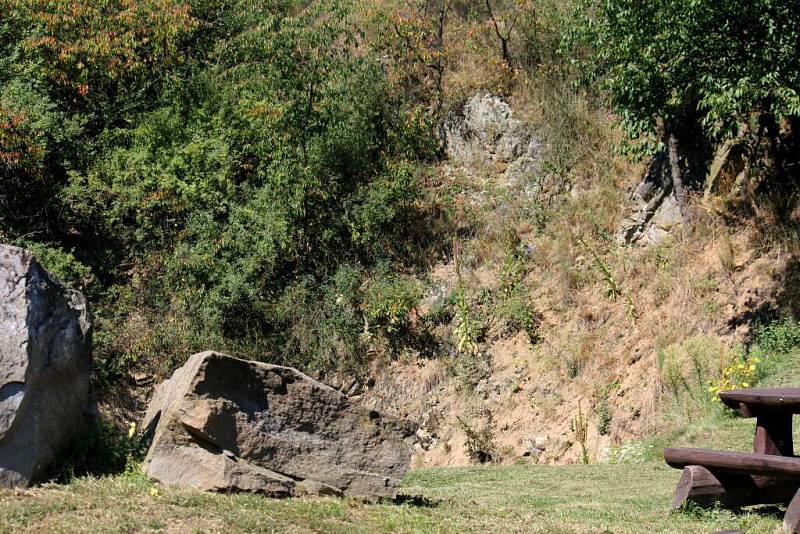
x=773, y=399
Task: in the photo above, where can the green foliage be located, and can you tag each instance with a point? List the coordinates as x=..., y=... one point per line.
x=389, y=301
x=713, y=61
x=515, y=307
x=61, y=264
x=603, y=410
x=469, y=363
x=776, y=345
x=104, y=450
x=778, y=338
x=242, y=174
x=520, y=316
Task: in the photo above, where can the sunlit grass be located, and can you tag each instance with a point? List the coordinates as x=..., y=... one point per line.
x=596, y=498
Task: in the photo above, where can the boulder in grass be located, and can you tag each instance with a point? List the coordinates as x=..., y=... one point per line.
x=225, y=424
x=45, y=364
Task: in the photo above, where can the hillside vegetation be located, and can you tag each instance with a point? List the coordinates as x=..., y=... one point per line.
x=266, y=178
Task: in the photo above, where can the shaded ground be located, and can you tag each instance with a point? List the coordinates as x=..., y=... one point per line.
x=607, y=498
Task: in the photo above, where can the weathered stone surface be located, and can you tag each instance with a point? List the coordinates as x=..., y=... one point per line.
x=656, y=210
x=225, y=424
x=484, y=129
x=45, y=363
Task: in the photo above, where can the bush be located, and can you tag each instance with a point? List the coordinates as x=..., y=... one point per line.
x=777, y=338
x=389, y=301
x=776, y=345
x=243, y=176
x=480, y=441
x=63, y=265
x=104, y=450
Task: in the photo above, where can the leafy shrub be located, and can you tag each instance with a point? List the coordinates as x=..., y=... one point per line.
x=104, y=450
x=480, y=441
x=602, y=409
x=389, y=301
x=63, y=265
x=520, y=316
x=243, y=176
x=776, y=346
x=780, y=337
x=515, y=307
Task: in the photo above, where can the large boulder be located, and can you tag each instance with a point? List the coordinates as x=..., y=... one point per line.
x=225, y=424
x=45, y=363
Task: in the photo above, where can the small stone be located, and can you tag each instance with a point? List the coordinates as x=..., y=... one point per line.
x=312, y=488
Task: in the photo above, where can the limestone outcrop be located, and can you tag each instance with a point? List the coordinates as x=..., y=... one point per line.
x=484, y=129
x=656, y=210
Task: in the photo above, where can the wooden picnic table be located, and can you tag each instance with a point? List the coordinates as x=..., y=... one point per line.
x=768, y=475
x=773, y=410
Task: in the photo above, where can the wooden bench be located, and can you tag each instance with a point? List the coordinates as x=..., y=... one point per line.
x=768, y=475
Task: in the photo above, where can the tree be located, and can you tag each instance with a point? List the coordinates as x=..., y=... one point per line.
x=679, y=70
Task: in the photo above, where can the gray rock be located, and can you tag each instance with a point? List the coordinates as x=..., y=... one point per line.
x=225, y=424
x=312, y=488
x=484, y=130
x=656, y=211
x=45, y=363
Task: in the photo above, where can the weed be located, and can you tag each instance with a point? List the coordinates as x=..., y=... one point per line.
x=726, y=253
x=515, y=307
x=603, y=410
x=613, y=289
x=687, y=368
x=470, y=365
x=466, y=330
x=735, y=374
x=520, y=315
x=480, y=443
x=580, y=426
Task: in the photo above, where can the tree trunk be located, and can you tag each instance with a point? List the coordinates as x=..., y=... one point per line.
x=677, y=175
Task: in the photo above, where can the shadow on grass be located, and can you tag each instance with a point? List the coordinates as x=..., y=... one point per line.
x=770, y=511
x=418, y=501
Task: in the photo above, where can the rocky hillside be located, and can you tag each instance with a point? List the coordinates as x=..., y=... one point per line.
x=541, y=230
x=630, y=308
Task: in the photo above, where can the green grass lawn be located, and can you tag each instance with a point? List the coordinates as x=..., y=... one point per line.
x=601, y=498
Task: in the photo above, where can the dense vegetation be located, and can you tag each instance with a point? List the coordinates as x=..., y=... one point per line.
x=233, y=173
x=691, y=75
x=251, y=175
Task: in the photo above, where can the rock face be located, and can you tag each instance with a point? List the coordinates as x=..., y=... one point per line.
x=656, y=211
x=484, y=129
x=225, y=424
x=45, y=363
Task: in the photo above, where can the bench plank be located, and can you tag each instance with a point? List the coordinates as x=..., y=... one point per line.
x=740, y=463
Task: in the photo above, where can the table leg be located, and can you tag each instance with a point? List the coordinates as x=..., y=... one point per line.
x=791, y=521
x=774, y=434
